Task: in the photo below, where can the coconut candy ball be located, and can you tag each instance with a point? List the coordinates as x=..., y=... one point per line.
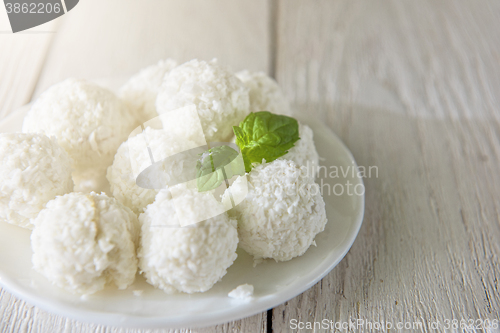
x=264, y=92
x=122, y=174
x=34, y=170
x=304, y=153
x=140, y=91
x=188, y=259
x=88, y=121
x=82, y=242
x=221, y=99
x=282, y=213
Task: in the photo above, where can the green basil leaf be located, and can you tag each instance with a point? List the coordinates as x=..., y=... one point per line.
x=264, y=135
x=209, y=181
x=210, y=167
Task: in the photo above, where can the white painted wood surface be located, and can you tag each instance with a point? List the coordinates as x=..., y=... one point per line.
x=118, y=38
x=412, y=87
x=21, y=59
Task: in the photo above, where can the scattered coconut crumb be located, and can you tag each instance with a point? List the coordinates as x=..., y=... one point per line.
x=243, y=291
x=138, y=292
x=257, y=261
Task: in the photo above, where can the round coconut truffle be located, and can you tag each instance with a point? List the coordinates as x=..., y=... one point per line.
x=88, y=121
x=265, y=94
x=140, y=91
x=188, y=259
x=282, y=212
x=82, y=242
x=34, y=170
x=221, y=99
x=133, y=157
x=304, y=152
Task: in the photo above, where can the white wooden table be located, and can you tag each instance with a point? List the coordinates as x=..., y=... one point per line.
x=412, y=87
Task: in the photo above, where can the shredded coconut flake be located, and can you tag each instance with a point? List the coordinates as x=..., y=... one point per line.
x=244, y=291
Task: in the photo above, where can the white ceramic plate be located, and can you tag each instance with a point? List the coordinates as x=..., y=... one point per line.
x=274, y=282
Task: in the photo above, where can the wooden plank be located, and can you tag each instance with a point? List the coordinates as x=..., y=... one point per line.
x=18, y=316
x=117, y=38
x=21, y=59
x=439, y=59
x=412, y=88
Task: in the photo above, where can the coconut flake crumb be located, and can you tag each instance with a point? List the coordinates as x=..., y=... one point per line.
x=138, y=292
x=257, y=261
x=243, y=291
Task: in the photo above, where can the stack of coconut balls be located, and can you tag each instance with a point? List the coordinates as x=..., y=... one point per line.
x=76, y=140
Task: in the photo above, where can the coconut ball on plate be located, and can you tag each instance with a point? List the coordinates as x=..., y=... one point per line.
x=140, y=91
x=82, y=242
x=304, y=153
x=188, y=259
x=88, y=121
x=34, y=170
x=221, y=99
x=264, y=92
x=133, y=157
x=282, y=212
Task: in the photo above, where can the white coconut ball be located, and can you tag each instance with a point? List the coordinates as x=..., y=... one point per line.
x=304, y=152
x=265, y=94
x=140, y=91
x=282, y=212
x=82, y=242
x=221, y=99
x=122, y=174
x=188, y=259
x=34, y=170
x=88, y=121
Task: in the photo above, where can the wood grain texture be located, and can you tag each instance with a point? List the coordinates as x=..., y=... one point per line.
x=118, y=38
x=412, y=88
x=22, y=56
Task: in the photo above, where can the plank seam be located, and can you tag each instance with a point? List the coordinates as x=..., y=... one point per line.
x=269, y=328
x=273, y=36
